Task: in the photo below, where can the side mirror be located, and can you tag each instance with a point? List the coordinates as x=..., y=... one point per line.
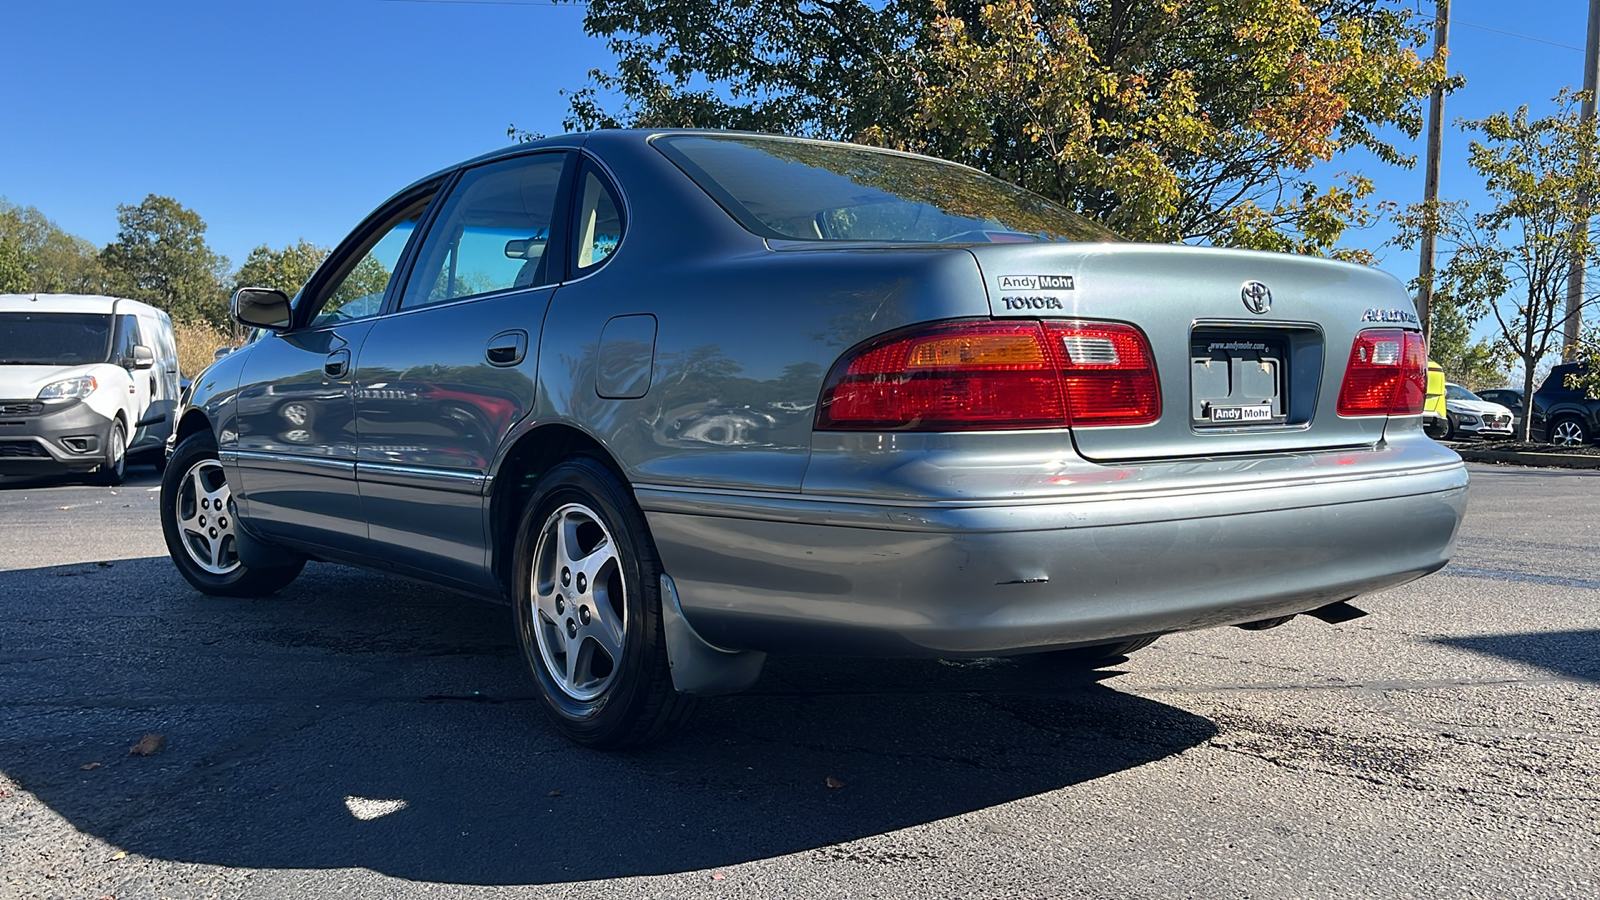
x=262, y=308
x=143, y=357
x=220, y=353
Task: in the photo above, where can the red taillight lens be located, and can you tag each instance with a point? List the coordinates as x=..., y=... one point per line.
x=1109, y=375
x=993, y=375
x=1387, y=374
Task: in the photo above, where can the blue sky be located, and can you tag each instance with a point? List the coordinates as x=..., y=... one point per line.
x=282, y=119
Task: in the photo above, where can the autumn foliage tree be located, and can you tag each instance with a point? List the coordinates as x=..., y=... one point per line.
x=1166, y=119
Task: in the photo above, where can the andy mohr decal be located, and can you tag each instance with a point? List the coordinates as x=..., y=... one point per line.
x=1036, y=283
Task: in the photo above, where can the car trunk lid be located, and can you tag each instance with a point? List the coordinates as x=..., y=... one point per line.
x=1250, y=348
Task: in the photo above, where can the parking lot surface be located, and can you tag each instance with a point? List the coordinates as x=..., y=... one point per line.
x=364, y=735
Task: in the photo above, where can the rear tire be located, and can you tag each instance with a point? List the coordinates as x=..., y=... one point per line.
x=587, y=599
x=1096, y=656
x=1569, y=431
x=198, y=519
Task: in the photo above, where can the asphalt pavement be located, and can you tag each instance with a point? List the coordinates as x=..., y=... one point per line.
x=370, y=737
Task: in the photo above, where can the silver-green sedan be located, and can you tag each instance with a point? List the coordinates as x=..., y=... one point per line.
x=685, y=399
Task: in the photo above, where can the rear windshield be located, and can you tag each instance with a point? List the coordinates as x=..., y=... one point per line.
x=812, y=191
x=54, y=339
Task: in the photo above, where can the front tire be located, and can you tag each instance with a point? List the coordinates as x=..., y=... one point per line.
x=199, y=521
x=115, y=468
x=587, y=601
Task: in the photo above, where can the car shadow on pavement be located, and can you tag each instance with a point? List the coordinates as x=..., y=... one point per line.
x=361, y=721
x=1569, y=653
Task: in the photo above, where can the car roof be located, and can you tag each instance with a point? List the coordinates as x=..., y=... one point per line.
x=577, y=140
x=73, y=303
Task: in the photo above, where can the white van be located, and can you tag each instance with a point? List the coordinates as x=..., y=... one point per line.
x=86, y=384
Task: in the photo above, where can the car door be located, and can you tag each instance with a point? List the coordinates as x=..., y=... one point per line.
x=295, y=412
x=443, y=378
x=141, y=382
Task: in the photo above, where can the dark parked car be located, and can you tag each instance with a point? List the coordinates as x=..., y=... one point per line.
x=685, y=399
x=1565, y=415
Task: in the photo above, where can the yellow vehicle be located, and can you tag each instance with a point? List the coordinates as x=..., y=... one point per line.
x=1434, y=420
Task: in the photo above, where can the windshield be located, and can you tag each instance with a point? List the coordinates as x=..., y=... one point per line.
x=1457, y=392
x=54, y=339
x=814, y=191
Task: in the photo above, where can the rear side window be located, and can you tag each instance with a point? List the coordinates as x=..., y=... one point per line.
x=598, y=226
x=813, y=191
x=1556, y=383
x=492, y=233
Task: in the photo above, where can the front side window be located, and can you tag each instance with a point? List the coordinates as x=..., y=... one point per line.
x=127, y=338
x=491, y=234
x=357, y=291
x=813, y=191
x=54, y=339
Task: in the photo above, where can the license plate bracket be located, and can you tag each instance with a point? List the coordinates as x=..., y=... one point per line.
x=1238, y=381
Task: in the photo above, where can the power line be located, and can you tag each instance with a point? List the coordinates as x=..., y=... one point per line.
x=1526, y=37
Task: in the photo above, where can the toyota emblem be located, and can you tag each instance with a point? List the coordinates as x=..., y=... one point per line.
x=1256, y=297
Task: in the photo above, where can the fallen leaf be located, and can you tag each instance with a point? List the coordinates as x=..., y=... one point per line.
x=553, y=794
x=63, y=507
x=91, y=765
x=117, y=855
x=105, y=565
x=149, y=744
x=834, y=782
x=717, y=876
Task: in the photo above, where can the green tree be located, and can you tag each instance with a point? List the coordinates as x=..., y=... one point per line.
x=1179, y=119
x=1477, y=365
x=287, y=270
x=1511, y=262
x=13, y=274
x=160, y=256
x=55, y=261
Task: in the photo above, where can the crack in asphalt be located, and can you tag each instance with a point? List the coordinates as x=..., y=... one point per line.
x=1493, y=574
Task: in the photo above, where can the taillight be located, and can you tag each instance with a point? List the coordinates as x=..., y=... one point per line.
x=1108, y=373
x=986, y=375
x=1387, y=374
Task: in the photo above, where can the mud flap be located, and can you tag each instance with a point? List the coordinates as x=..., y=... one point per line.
x=699, y=667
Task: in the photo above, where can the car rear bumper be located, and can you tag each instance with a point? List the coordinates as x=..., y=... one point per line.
x=69, y=439
x=838, y=575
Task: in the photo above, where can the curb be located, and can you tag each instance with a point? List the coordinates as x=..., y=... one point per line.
x=1521, y=458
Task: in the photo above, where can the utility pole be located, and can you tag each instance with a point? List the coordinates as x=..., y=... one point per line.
x=1430, y=184
x=1571, y=329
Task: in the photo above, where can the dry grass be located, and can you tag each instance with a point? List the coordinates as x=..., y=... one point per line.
x=197, y=344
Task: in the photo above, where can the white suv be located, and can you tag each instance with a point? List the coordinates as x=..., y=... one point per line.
x=86, y=383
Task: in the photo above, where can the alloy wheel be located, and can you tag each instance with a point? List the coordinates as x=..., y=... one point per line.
x=205, y=516
x=1567, y=433
x=579, y=603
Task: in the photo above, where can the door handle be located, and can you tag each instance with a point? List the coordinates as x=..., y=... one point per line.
x=337, y=364
x=507, y=348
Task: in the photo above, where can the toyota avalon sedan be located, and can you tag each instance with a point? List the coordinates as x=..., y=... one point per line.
x=686, y=399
